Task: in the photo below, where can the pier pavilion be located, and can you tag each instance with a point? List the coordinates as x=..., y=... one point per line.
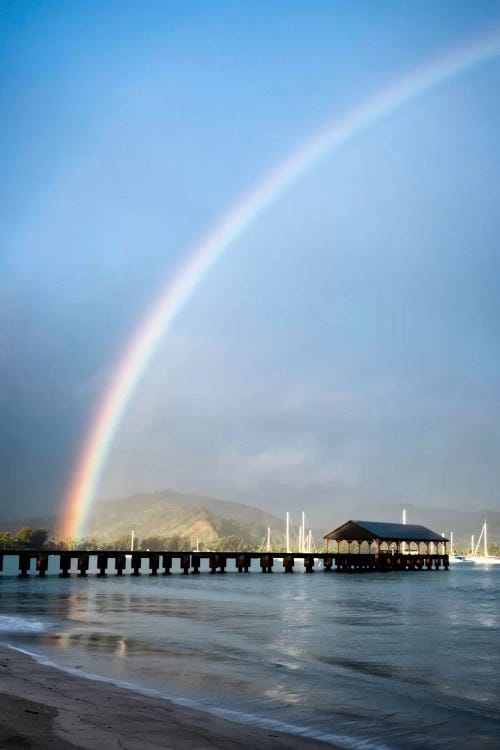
x=387, y=546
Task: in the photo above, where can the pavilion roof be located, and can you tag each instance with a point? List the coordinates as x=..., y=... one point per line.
x=375, y=530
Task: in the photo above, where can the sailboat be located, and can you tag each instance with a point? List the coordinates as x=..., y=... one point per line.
x=483, y=559
x=453, y=558
x=305, y=542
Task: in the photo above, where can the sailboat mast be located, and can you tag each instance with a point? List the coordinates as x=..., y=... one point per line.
x=287, y=532
x=481, y=536
x=403, y=545
x=268, y=539
x=132, y=541
x=472, y=544
x=303, y=534
x=485, y=542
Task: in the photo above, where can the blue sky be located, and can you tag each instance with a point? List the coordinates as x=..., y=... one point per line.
x=345, y=349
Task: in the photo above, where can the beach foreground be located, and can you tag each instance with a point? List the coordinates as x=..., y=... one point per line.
x=43, y=707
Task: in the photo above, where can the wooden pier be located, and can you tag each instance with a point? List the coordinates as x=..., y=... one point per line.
x=360, y=547
x=166, y=562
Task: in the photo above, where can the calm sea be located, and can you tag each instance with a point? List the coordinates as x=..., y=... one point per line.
x=398, y=660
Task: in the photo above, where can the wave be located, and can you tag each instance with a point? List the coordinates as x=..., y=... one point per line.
x=13, y=624
x=238, y=717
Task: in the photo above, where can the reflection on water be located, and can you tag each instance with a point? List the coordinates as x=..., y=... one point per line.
x=400, y=660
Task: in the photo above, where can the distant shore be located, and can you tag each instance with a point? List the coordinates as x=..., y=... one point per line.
x=44, y=708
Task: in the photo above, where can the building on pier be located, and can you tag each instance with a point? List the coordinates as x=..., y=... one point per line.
x=374, y=538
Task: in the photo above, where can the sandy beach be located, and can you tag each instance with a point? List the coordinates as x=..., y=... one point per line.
x=43, y=707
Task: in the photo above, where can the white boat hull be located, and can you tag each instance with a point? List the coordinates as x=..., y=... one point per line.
x=487, y=561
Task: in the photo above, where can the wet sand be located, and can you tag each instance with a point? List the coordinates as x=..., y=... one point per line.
x=42, y=708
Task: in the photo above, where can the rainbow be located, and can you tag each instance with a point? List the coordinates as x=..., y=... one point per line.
x=203, y=255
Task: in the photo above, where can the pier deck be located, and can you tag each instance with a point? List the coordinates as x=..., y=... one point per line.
x=188, y=562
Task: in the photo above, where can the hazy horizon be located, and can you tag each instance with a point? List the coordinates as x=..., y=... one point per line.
x=338, y=512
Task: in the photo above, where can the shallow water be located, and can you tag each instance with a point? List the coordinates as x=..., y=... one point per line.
x=398, y=660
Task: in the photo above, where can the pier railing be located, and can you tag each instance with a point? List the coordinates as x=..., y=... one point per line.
x=189, y=562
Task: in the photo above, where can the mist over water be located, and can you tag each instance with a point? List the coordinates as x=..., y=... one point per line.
x=397, y=660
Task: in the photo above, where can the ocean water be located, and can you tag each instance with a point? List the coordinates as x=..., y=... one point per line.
x=397, y=660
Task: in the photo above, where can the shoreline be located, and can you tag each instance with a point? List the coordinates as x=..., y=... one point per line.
x=46, y=707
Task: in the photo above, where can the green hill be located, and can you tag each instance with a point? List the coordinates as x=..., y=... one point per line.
x=171, y=514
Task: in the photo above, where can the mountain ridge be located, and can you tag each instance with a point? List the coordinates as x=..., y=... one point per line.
x=202, y=517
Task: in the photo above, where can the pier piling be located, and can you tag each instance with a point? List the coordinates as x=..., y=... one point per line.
x=166, y=564
x=217, y=561
x=64, y=565
x=42, y=563
x=309, y=563
x=120, y=563
x=266, y=563
x=154, y=563
x=242, y=563
x=185, y=562
x=102, y=564
x=136, y=564
x=83, y=564
x=24, y=565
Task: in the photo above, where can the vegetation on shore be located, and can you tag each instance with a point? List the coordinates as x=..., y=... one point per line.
x=39, y=539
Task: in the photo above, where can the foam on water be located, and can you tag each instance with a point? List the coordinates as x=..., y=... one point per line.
x=238, y=717
x=12, y=624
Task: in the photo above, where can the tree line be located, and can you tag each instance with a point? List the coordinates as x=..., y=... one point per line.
x=39, y=539
x=27, y=538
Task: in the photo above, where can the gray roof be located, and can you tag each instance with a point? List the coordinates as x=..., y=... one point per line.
x=406, y=532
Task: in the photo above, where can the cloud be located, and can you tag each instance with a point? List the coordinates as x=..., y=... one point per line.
x=201, y=423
